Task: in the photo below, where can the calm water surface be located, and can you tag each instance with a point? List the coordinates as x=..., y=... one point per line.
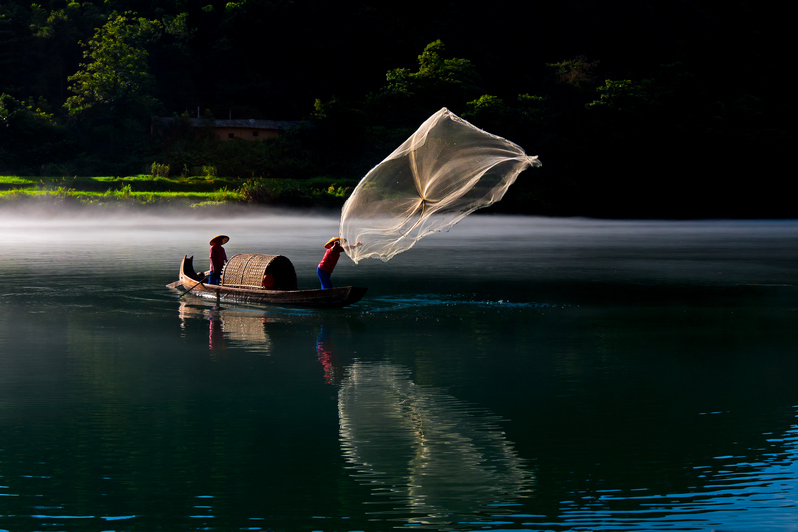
x=513, y=374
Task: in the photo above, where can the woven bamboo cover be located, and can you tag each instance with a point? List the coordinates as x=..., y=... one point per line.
x=246, y=270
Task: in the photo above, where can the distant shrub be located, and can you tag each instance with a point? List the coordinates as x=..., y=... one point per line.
x=293, y=192
x=160, y=170
x=340, y=192
x=259, y=191
x=15, y=196
x=224, y=195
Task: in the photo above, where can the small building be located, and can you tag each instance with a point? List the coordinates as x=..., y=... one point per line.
x=245, y=129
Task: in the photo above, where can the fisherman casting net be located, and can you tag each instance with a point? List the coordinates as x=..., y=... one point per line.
x=446, y=170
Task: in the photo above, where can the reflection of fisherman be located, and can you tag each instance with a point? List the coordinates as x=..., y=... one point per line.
x=326, y=355
x=330, y=259
x=216, y=342
x=218, y=258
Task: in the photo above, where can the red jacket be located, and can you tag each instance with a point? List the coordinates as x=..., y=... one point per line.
x=218, y=257
x=330, y=258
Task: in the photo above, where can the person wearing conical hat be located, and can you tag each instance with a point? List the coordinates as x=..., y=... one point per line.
x=327, y=265
x=218, y=258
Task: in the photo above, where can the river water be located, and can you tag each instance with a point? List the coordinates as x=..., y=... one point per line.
x=515, y=373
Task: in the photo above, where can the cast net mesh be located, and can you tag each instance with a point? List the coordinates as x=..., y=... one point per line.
x=446, y=170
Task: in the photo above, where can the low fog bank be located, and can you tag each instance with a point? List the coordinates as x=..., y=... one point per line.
x=489, y=232
x=482, y=250
x=31, y=214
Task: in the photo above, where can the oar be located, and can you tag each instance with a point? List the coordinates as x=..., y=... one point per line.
x=193, y=287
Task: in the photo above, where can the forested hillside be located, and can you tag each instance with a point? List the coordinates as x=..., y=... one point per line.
x=636, y=108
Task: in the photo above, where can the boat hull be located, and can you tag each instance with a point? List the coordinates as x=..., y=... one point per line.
x=330, y=298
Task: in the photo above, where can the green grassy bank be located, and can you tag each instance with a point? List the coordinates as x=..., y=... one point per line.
x=193, y=191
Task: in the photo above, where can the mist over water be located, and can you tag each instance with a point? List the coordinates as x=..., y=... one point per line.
x=515, y=373
x=693, y=252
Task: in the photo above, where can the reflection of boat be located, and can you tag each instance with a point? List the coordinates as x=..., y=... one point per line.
x=243, y=278
x=228, y=326
x=427, y=452
x=247, y=330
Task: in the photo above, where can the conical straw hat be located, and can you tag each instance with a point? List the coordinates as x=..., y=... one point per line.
x=331, y=242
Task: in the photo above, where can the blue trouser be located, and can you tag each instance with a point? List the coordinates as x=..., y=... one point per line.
x=324, y=277
x=214, y=277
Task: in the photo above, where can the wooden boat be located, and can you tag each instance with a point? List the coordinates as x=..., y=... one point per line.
x=243, y=280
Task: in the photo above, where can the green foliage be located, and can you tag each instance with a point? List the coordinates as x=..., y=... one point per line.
x=432, y=66
x=160, y=170
x=30, y=136
x=623, y=95
x=437, y=83
x=224, y=195
x=113, y=96
x=116, y=78
x=14, y=180
x=319, y=192
x=283, y=157
x=178, y=26
x=142, y=184
x=579, y=72
x=487, y=108
x=13, y=197
x=533, y=107
x=339, y=192
x=63, y=195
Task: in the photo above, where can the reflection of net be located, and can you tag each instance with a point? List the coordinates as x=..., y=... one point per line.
x=423, y=450
x=446, y=170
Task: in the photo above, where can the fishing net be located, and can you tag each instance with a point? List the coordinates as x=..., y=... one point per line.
x=446, y=170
